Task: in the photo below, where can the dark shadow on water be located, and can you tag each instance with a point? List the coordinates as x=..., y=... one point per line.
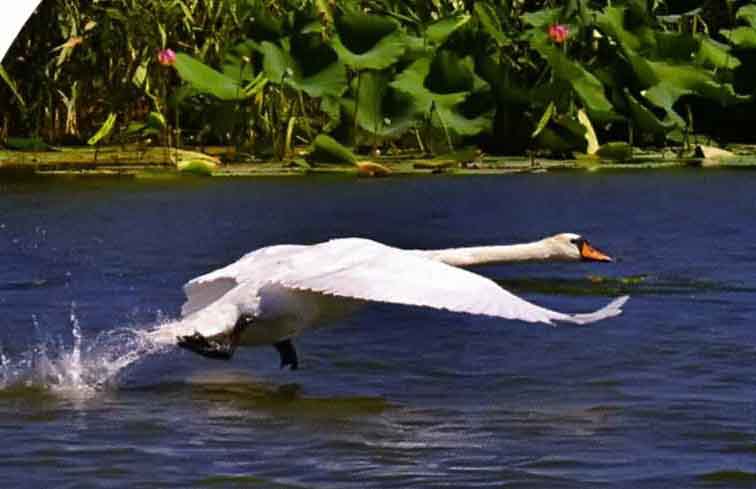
x=597, y=285
x=243, y=392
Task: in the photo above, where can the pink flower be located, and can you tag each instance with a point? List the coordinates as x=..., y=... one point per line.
x=166, y=57
x=559, y=33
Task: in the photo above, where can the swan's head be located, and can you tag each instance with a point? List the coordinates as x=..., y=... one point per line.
x=573, y=247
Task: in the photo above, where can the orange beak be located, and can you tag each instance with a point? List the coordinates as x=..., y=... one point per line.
x=589, y=253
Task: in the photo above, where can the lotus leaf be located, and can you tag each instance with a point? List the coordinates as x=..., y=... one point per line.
x=439, y=31
x=748, y=14
x=328, y=150
x=367, y=42
x=414, y=82
x=716, y=54
x=542, y=18
x=742, y=37
x=237, y=63
x=490, y=22
x=208, y=80
x=331, y=107
x=645, y=119
x=281, y=67
x=587, y=87
x=382, y=110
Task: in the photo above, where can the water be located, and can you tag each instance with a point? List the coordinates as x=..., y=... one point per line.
x=393, y=397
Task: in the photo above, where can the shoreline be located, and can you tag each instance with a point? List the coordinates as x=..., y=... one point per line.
x=136, y=161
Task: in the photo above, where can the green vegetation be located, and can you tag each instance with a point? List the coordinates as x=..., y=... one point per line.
x=280, y=78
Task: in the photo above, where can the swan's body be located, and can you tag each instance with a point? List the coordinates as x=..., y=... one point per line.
x=275, y=293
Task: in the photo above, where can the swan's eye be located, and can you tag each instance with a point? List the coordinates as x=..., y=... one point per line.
x=578, y=241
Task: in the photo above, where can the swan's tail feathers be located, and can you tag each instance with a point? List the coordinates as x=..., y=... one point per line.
x=611, y=310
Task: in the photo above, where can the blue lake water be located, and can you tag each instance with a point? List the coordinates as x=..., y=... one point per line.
x=662, y=396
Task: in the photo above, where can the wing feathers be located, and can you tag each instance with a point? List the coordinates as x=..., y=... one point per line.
x=373, y=272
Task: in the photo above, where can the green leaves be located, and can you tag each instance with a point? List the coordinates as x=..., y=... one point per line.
x=665, y=66
x=208, y=80
x=743, y=37
x=12, y=85
x=382, y=110
x=645, y=119
x=439, y=31
x=446, y=100
x=104, y=131
x=587, y=87
x=489, y=21
x=327, y=150
x=368, y=42
x=715, y=54
x=281, y=67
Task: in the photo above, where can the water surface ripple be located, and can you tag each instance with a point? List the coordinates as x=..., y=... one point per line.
x=394, y=397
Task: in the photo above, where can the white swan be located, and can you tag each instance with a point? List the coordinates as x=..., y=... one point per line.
x=273, y=294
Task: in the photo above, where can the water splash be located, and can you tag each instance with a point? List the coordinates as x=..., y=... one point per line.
x=83, y=367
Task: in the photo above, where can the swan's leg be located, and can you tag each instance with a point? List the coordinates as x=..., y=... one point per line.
x=288, y=354
x=222, y=348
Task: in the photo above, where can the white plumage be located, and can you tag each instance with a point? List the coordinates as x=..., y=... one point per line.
x=283, y=290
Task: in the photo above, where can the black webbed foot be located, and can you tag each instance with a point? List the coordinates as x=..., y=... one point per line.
x=205, y=347
x=288, y=354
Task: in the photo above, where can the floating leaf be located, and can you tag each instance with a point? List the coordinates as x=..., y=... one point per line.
x=328, y=150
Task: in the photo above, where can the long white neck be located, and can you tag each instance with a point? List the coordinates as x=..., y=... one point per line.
x=537, y=251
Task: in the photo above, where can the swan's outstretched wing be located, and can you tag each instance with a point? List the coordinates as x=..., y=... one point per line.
x=206, y=289
x=367, y=270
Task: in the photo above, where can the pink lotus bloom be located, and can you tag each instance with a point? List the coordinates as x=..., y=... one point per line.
x=559, y=33
x=166, y=57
